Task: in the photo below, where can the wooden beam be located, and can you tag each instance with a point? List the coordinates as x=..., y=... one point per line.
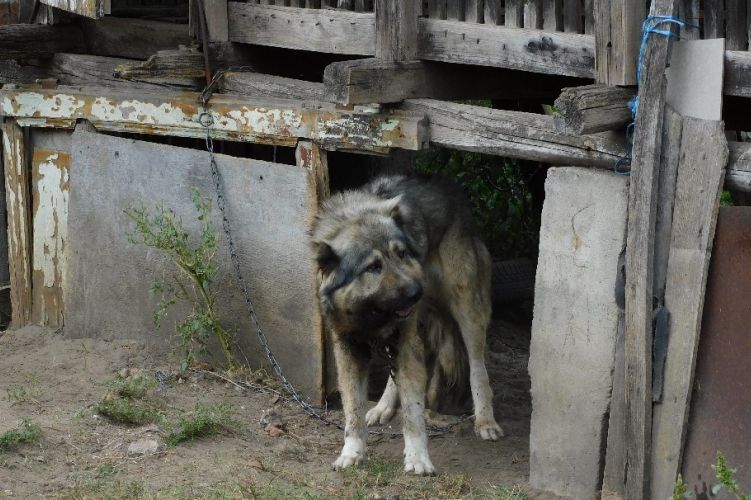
x=131, y=38
x=618, y=35
x=14, y=73
x=593, y=108
x=182, y=67
x=522, y=49
x=38, y=41
x=640, y=254
x=319, y=30
x=217, y=21
x=738, y=176
x=267, y=121
x=703, y=154
x=18, y=204
x=396, y=29
x=737, y=73
x=512, y=134
x=259, y=85
x=374, y=81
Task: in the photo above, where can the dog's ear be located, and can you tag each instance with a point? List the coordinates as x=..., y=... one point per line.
x=325, y=256
x=394, y=209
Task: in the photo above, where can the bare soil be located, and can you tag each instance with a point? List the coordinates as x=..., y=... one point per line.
x=57, y=382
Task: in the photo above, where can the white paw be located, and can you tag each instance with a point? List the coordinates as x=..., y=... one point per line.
x=380, y=414
x=348, y=459
x=488, y=430
x=418, y=464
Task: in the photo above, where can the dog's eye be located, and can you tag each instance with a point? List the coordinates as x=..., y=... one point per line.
x=375, y=267
x=401, y=253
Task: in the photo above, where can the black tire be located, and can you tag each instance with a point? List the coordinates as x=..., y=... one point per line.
x=513, y=280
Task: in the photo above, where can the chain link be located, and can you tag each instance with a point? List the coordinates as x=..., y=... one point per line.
x=206, y=120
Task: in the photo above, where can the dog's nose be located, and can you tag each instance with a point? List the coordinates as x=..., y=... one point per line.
x=413, y=292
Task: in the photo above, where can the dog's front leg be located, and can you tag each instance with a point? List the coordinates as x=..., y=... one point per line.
x=352, y=373
x=411, y=379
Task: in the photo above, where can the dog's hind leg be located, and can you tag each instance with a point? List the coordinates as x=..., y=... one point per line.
x=411, y=379
x=352, y=373
x=468, y=284
x=384, y=411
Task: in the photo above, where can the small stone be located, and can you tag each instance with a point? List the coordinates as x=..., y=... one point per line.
x=143, y=447
x=274, y=430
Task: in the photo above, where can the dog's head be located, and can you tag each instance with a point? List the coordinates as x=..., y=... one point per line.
x=370, y=270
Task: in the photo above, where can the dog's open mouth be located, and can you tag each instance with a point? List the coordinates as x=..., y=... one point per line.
x=404, y=313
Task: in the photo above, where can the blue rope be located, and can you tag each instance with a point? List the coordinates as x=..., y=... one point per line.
x=651, y=25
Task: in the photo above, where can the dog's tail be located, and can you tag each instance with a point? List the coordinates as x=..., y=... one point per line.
x=447, y=363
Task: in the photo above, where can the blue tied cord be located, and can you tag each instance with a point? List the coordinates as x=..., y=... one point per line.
x=651, y=25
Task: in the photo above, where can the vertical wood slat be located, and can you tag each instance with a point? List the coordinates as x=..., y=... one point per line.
x=455, y=10
x=618, y=25
x=474, y=11
x=533, y=14
x=589, y=17
x=714, y=19
x=572, y=18
x=514, y=14
x=690, y=11
x=736, y=30
x=396, y=29
x=640, y=257
x=493, y=12
x=552, y=15
x=437, y=9
x=18, y=203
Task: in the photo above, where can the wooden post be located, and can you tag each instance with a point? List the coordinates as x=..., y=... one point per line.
x=593, y=108
x=18, y=206
x=640, y=256
x=396, y=29
x=618, y=37
x=552, y=13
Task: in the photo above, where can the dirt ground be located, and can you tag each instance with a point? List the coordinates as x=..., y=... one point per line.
x=57, y=382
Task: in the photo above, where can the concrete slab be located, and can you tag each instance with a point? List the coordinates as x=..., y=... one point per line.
x=575, y=328
x=269, y=205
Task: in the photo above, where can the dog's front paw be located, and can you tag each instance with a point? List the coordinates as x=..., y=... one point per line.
x=419, y=464
x=380, y=414
x=348, y=459
x=488, y=430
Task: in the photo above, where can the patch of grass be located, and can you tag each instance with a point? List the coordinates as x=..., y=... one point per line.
x=203, y=421
x=126, y=411
x=27, y=432
x=505, y=493
x=374, y=473
x=131, y=387
x=106, y=490
x=31, y=392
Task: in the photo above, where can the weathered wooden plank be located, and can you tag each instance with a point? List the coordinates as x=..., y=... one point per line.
x=437, y=9
x=738, y=176
x=552, y=15
x=714, y=19
x=259, y=85
x=268, y=121
x=690, y=11
x=640, y=257
x=618, y=36
x=50, y=182
x=455, y=10
x=523, y=49
x=18, y=203
x=322, y=30
x=589, y=17
x=83, y=69
x=737, y=73
x=396, y=29
x=12, y=72
x=593, y=108
x=533, y=14
x=704, y=153
x=475, y=11
x=572, y=16
x=217, y=22
x=180, y=67
x=37, y=41
x=513, y=14
x=493, y=12
x=513, y=134
x=89, y=8
x=736, y=27
x=131, y=38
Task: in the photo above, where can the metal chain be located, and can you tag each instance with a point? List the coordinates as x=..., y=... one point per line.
x=206, y=120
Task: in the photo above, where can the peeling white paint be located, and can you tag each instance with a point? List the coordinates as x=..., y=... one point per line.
x=139, y=112
x=34, y=103
x=50, y=220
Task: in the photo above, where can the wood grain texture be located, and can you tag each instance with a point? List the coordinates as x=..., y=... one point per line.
x=396, y=29
x=18, y=205
x=704, y=154
x=38, y=41
x=513, y=14
x=593, y=108
x=552, y=14
x=493, y=12
x=89, y=8
x=640, y=258
x=714, y=19
x=523, y=49
x=216, y=20
x=474, y=11
x=513, y=134
x=737, y=73
x=572, y=16
x=180, y=67
x=260, y=85
x=322, y=30
x=533, y=17
x=132, y=38
x=618, y=34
